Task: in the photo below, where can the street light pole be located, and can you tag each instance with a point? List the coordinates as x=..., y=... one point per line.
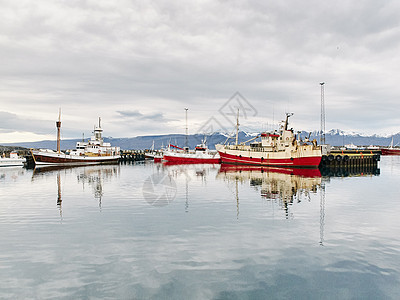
x=186, y=142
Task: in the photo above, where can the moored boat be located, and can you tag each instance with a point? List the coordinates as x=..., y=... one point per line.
x=278, y=149
x=200, y=155
x=155, y=155
x=94, y=151
x=13, y=161
x=390, y=150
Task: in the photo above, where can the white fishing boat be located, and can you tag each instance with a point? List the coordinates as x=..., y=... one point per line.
x=94, y=151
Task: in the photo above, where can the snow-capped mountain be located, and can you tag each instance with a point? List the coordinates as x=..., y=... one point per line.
x=334, y=137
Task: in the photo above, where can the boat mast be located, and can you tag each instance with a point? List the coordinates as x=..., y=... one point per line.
x=186, y=141
x=237, y=127
x=58, y=125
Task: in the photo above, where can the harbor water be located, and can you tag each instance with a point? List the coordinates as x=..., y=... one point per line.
x=152, y=231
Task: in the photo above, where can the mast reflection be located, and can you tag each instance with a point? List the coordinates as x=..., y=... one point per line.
x=59, y=199
x=189, y=172
x=95, y=177
x=92, y=176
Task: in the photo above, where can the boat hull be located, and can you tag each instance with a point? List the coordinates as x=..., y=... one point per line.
x=191, y=160
x=299, y=162
x=9, y=162
x=386, y=151
x=157, y=159
x=61, y=159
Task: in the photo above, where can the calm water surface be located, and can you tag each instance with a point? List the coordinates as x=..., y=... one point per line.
x=149, y=231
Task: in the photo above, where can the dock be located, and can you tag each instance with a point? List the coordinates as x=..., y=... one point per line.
x=131, y=156
x=348, y=162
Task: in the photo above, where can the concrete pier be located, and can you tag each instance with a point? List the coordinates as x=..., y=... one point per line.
x=131, y=155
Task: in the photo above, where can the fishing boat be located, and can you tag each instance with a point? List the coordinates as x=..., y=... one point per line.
x=278, y=149
x=13, y=161
x=155, y=155
x=200, y=155
x=390, y=150
x=158, y=157
x=94, y=151
x=149, y=154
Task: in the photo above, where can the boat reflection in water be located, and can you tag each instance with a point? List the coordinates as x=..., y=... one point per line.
x=93, y=176
x=11, y=173
x=281, y=185
x=96, y=176
x=284, y=186
x=184, y=174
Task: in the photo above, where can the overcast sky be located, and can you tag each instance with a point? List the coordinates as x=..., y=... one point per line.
x=139, y=64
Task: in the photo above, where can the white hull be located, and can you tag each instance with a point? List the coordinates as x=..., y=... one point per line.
x=12, y=162
x=196, y=155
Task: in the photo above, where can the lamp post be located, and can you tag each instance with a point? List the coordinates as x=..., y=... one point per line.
x=186, y=142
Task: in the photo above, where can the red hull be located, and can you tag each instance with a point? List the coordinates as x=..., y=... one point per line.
x=304, y=162
x=387, y=151
x=189, y=160
x=226, y=168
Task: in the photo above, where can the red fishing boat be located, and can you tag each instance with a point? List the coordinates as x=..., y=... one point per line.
x=155, y=155
x=390, y=150
x=200, y=155
x=278, y=149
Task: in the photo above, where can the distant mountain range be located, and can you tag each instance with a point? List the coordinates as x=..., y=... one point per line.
x=334, y=137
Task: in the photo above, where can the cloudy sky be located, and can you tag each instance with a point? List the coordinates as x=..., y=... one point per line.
x=139, y=64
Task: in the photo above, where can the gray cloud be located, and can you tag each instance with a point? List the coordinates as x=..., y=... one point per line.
x=10, y=122
x=135, y=114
